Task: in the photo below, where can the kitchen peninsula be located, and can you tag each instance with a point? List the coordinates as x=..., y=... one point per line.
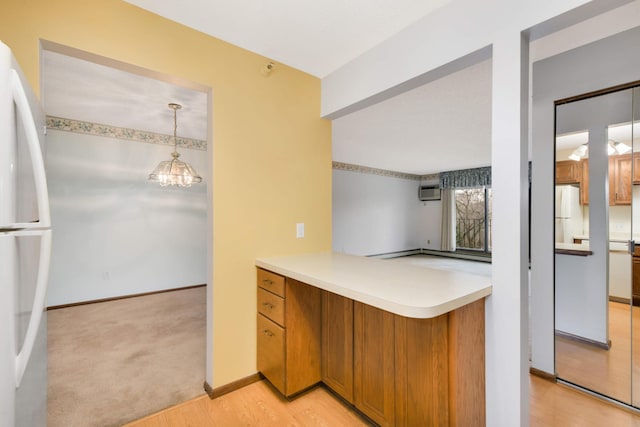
x=403, y=344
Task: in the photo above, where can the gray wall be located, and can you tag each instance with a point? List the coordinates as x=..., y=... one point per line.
x=605, y=63
x=374, y=214
x=115, y=233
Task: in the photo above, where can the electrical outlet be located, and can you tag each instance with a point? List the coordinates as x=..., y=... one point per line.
x=300, y=230
x=428, y=242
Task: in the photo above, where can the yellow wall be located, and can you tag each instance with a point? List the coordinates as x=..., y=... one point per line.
x=271, y=150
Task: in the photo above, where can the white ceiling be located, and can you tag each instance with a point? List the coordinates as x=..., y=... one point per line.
x=313, y=36
x=81, y=90
x=444, y=125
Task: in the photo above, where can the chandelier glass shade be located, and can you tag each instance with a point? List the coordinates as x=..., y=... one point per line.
x=175, y=172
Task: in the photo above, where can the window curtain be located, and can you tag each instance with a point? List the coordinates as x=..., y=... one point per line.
x=466, y=178
x=448, y=229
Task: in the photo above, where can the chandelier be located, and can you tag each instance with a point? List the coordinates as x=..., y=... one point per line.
x=175, y=172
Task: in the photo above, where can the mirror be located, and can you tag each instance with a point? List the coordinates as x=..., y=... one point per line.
x=593, y=264
x=635, y=234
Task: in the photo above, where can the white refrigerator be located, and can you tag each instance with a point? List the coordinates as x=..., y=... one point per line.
x=568, y=213
x=25, y=248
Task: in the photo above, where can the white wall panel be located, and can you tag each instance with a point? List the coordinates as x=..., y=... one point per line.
x=115, y=233
x=375, y=214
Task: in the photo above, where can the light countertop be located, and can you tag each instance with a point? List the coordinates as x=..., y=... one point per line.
x=613, y=237
x=399, y=288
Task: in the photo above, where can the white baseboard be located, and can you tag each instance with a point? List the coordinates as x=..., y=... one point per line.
x=482, y=258
x=397, y=254
x=472, y=257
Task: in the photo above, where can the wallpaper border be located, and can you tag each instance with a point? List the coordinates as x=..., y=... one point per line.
x=384, y=172
x=99, y=129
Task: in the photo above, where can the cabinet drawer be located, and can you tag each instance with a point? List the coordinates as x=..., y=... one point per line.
x=271, y=355
x=271, y=305
x=271, y=282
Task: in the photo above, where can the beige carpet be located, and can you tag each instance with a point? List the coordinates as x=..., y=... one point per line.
x=117, y=361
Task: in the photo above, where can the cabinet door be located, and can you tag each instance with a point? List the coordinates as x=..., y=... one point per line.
x=337, y=344
x=422, y=372
x=568, y=172
x=636, y=281
x=374, y=377
x=271, y=341
x=467, y=366
x=636, y=168
x=622, y=180
x=584, y=183
x=303, y=318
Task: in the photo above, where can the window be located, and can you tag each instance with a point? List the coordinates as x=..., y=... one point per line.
x=473, y=219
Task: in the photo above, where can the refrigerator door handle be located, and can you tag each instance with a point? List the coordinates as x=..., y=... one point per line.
x=37, y=161
x=22, y=358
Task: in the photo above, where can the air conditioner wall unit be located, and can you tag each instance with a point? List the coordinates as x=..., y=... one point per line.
x=429, y=192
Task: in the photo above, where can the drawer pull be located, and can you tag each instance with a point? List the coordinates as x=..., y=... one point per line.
x=268, y=333
x=267, y=305
x=267, y=281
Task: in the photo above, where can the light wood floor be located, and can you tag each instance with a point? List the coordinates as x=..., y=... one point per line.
x=608, y=372
x=259, y=405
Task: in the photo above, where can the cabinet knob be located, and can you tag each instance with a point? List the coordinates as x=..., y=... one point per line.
x=268, y=333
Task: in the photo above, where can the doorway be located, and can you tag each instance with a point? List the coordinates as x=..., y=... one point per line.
x=118, y=234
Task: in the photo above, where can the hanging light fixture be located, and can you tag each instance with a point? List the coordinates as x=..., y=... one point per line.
x=175, y=172
x=620, y=147
x=613, y=147
x=579, y=152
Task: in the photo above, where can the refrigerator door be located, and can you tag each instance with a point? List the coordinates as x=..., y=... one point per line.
x=558, y=206
x=563, y=201
x=23, y=373
x=560, y=230
x=24, y=201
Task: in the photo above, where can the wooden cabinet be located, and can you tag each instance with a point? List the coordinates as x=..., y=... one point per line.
x=621, y=176
x=467, y=366
x=568, y=172
x=620, y=179
x=271, y=352
x=432, y=374
x=584, y=183
x=374, y=363
x=636, y=281
x=289, y=332
x=337, y=344
x=422, y=371
x=636, y=168
x=396, y=370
